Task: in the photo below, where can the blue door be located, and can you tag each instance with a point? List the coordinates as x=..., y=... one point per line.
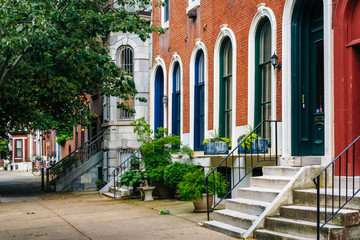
x=159, y=94
x=199, y=124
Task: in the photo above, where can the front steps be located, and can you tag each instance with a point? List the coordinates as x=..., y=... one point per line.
x=243, y=212
x=299, y=221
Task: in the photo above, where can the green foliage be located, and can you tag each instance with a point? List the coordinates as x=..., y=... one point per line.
x=54, y=53
x=174, y=173
x=100, y=183
x=4, y=148
x=130, y=177
x=63, y=136
x=156, y=150
x=249, y=137
x=215, y=138
x=192, y=187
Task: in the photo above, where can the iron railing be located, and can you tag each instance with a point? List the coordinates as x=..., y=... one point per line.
x=134, y=161
x=329, y=173
x=264, y=149
x=73, y=160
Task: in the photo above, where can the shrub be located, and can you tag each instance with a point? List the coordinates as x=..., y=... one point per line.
x=192, y=187
x=174, y=173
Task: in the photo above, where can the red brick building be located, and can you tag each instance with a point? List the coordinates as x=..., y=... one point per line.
x=232, y=42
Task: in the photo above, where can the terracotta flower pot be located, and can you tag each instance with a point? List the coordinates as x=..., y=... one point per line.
x=200, y=205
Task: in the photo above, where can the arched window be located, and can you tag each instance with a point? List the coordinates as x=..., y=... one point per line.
x=176, y=100
x=159, y=94
x=126, y=63
x=225, y=113
x=263, y=76
x=199, y=119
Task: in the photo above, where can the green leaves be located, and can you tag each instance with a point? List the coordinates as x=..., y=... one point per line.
x=52, y=56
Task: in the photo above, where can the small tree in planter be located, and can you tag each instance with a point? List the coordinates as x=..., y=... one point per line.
x=216, y=145
x=193, y=188
x=174, y=173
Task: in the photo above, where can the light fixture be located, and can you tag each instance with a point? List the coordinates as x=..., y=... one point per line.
x=274, y=62
x=165, y=100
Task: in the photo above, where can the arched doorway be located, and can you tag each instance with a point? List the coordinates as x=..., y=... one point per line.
x=307, y=78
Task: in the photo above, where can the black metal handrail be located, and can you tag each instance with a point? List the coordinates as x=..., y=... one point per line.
x=135, y=158
x=255, y=155
x=332, y=169
x=74, y=159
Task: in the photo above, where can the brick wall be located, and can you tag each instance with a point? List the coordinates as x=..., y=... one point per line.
x=183, y=31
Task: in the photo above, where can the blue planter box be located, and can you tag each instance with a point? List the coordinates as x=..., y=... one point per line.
x=258, y=146
x=216, y=148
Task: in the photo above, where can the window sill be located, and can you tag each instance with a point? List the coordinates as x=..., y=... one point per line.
x=192, y=6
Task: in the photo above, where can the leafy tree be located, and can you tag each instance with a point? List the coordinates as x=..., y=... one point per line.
x=53, y=53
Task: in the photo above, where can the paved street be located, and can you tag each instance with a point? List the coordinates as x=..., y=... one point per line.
x=27, y=213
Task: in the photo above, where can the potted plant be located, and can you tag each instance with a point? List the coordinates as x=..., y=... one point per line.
x=132, y=178
x=100, y=184
x=252, y=143
x=216, y=145
x=193, y=188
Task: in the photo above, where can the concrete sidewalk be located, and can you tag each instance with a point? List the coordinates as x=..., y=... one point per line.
x=85, y=215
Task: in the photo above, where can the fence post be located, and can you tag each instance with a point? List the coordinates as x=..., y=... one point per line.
x=47, y=181
x=42, y=179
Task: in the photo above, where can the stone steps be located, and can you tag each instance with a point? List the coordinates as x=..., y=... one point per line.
x=230, y=230
x=344, y=217
x=234, y=218
x=241, y=212
x=271, y=235
x=246, y=206
x=308, y=197
x=302, y=228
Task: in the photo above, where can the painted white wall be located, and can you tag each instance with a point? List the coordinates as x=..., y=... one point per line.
x=328, y=79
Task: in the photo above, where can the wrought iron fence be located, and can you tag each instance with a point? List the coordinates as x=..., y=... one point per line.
x=258, y=146
x=335, y=194
x=76, y=158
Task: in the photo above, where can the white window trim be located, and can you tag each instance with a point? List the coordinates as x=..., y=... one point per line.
x=159, y=62
x=192, y=5
x=198, y=46
x=328, y=80
x=263, y=12
x=163, y=23
x=176, y=59
x=225, y=32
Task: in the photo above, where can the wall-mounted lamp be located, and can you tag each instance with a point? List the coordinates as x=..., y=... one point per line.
x=274, y=62
x=165, y=100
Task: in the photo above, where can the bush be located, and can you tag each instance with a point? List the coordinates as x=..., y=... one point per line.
x=192, y=187
x=130, y=177
x=174, y=173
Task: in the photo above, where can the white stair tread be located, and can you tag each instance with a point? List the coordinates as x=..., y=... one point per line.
x=257, y=189
x=284, y=235
x=236, y=214
x=329, y=191
x=225, y=226
x=301, y=222
x=111, y=195
x=274, y=177
x=248, y=201
x=311, y=208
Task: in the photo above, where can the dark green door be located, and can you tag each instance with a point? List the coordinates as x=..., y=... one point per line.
x=307, y=79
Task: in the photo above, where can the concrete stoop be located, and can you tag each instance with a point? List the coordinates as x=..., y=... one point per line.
x=120, y=192
x=255, y=202
x=299, y=221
